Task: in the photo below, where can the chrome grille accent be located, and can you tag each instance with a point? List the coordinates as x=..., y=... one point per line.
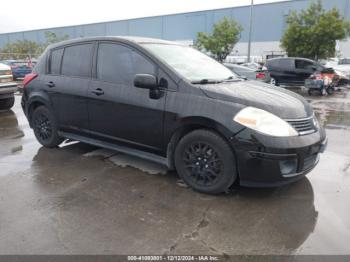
x=303, y=126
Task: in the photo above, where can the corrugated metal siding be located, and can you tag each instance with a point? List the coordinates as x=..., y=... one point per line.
x=268, y=23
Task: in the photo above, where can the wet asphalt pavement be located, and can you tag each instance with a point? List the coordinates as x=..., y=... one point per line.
x=79, y=199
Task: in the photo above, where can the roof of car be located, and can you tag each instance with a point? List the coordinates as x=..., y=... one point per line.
x=300, y=58
x=133, y=39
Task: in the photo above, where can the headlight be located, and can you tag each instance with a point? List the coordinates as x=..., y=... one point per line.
x=264, y=122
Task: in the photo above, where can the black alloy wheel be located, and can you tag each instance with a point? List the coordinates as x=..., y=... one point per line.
x=205, y=161
x=45, y=127
x=202, y=163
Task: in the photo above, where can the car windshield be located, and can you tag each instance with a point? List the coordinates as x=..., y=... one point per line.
x=190, y=63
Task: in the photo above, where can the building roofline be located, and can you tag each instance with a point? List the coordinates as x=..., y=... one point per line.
x=145, y=17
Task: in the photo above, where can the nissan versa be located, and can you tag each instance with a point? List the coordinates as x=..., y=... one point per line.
x=172, y=104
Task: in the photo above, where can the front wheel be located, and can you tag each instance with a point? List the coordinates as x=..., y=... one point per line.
x=45, y=127
x=330, y=90
x=205, y=162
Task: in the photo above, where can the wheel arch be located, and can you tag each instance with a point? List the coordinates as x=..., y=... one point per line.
x=190, y=124
x=34, y=103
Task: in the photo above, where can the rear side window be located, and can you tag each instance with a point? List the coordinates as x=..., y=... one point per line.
x=119, y=64
x=272, y=63
x=303, y=64
x=55, y=61
x=77, y=60
x=286, y=64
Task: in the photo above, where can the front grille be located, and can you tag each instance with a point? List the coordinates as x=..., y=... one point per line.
x=309, y=162
x=303, y=126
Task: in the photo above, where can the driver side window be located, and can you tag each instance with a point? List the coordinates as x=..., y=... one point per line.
x=119, y=64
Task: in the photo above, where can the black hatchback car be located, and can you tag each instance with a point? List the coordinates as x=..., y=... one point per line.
x=172, y=104
x=291, y=70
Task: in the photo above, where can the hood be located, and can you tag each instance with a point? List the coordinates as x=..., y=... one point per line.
x=4, y=67
x=279, y=101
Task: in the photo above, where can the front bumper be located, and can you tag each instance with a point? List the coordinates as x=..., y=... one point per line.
x=265, y=161
x=7, y=89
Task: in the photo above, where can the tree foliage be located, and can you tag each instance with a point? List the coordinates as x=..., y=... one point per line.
x=221, y=41
x=313, y=33
x=23, y=49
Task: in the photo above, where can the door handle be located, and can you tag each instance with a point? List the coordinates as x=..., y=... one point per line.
x=98, y=92
x=50, y=84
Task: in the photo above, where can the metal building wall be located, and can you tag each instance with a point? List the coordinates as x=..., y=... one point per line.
x=268, y=23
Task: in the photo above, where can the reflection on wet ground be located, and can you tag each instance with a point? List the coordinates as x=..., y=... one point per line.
x=79, y=199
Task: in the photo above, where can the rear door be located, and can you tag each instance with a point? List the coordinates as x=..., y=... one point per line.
x=68, y=82
x=303, y=69
x=287, y=70
x=118, y=111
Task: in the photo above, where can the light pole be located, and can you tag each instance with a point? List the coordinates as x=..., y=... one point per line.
x=250, y=29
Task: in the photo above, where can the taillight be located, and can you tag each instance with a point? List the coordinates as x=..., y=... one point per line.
x=28, y=78
x=260, y=75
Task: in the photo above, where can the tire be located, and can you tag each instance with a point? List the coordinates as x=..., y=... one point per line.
x=330, y=90
x=45, y=127
x=205, y=162
x=273, y=81
x=7, y=103
x=309, y=92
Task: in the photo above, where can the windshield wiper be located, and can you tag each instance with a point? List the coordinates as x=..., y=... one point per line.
x=232, y=79
x=206, y=81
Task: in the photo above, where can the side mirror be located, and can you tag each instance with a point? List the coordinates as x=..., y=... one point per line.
x=145, y=81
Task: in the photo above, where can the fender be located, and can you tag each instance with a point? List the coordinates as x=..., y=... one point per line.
x=36, y=98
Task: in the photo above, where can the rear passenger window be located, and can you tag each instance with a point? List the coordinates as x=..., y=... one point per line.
x=303, y=64
x=119, y=64
x=286, y=64
x=55, y=61
x=77, y=60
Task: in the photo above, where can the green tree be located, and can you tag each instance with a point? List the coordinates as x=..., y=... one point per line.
x=20, y=49
x=313, y=33
x=52, y=38
x=221, y=41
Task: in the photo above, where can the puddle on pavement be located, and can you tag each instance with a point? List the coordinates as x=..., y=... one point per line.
x=333, y=115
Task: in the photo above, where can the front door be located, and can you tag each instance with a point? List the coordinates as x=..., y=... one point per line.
x=117, y=109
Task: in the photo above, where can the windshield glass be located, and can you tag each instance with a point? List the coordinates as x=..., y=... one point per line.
x=190, y=63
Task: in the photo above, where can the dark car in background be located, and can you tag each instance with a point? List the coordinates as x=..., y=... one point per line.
x=19, y=68
x=172, y=104
x=249, y=73
x=291, y=70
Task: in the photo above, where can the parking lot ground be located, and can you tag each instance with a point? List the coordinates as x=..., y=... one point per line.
x=79, y=199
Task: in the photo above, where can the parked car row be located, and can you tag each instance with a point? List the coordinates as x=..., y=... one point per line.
x=7, y=87
x=298, y=71
x=19, y=68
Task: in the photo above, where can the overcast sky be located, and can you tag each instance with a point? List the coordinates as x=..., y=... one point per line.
x=35, y=14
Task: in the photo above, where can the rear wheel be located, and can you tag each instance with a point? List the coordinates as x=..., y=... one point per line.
x=330, y=90
x=273, y=81
x=7, y=103
x=205, y=162
x=45, y=127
